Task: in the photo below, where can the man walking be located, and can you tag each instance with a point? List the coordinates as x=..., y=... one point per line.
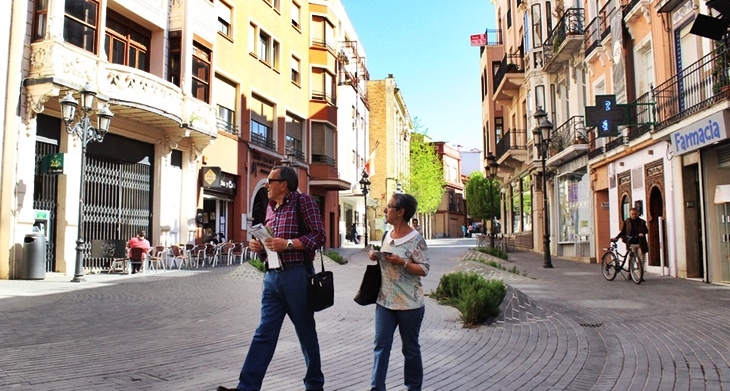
x=297, y=229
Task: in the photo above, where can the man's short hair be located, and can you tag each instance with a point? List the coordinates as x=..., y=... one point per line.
x=141, y=233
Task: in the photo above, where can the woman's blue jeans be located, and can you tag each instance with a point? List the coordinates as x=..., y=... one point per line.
x=285, y=293
x=409, y=326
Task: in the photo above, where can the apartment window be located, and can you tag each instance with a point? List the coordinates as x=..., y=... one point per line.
x=264, y=42
x=275, y=49
x=174, y=47
x=498, y=128
x=295, y=72
x=323, y=33
x=225, y=99
x=275, y=4
x=80, y=22
x=323, y=143
x=262, y=122
x=252, y=38
x=294, y=135
x=126, y=42
x=323, y=85
x=296, y=12
x=39, y=19
x=537, y=25
x=224, y=18
x=201, y=72
x=549, y=16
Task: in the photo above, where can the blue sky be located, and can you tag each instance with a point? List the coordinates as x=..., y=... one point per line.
x=425, y=45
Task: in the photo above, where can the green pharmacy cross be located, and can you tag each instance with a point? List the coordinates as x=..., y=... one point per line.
x=606, y=115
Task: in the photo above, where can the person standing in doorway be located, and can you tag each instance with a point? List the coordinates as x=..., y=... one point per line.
x=285, y=288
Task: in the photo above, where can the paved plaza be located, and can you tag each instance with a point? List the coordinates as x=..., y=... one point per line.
x=562, y=329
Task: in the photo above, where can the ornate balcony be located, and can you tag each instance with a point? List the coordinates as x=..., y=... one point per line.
x=569, y=141
x=509, y=78
x=565, y=40
x=511, y=149
x=135, y=94
x=699, y=86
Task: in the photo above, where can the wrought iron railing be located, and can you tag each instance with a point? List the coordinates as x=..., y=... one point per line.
x=572, y=131
x=600, y=27
x=697, y=87
x=596, y=152
x=571, y=23
x=615, y=143
x=511, y=63
x=512, y=139
x=494, y=37
x=321, y=95
x=642, y=116
x=324, y=159
x=263, y=141
x=226, y=126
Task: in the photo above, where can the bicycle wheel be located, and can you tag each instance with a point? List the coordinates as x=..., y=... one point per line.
x=608, y=266
x=636, y=268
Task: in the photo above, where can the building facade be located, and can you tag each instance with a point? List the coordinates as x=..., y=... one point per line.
x=634, y=127
x=207, y=96
x=451, y=213
x=390, y=133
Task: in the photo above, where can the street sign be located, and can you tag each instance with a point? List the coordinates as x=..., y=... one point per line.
x=606, y=115
x=52, y=164
x=479, y=40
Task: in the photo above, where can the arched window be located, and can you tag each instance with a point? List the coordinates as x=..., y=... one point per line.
x=625, y=207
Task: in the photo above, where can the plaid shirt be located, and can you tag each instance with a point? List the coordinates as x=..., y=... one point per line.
x=283, y=224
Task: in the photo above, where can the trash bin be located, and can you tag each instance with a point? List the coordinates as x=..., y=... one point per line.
x=34, y=257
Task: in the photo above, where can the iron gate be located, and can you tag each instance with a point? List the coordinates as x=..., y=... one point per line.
x=44, y=196
x=118, y=202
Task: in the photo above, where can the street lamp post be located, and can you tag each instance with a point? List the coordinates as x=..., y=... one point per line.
x=365, y=187
x=86, y=133
x=492, y=167
x=542, y=139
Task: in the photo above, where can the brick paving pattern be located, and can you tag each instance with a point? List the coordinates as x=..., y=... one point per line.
x=561, y=329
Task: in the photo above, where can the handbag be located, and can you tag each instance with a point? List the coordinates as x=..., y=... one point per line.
x=321, y=289
x=370, y=285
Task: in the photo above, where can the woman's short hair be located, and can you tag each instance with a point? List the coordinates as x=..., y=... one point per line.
x=408, y=203
x=289, y=175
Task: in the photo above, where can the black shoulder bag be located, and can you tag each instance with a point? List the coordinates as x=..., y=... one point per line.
x=370, y=285
x=321, y=288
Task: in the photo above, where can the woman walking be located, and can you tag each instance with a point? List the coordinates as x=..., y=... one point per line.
x=400, y=300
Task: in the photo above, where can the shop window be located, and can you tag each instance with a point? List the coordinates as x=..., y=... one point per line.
x=574, y=213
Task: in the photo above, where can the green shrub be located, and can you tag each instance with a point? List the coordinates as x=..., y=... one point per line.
x=476, y=298
x=335, y=256
x=494, y=252
x=258, y=264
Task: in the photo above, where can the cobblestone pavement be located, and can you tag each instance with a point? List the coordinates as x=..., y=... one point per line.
x=561, y=329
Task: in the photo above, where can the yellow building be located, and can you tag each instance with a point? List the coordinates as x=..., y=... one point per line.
x=390, y=133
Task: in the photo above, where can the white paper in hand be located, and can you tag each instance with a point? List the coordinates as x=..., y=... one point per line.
x=262, y=233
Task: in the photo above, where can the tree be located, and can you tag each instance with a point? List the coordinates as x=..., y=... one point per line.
x=479, y=192
x=426, y=181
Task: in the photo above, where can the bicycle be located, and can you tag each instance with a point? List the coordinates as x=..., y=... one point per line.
x=610, y=265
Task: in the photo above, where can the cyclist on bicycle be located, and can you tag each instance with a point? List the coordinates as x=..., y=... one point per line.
x=635, y=227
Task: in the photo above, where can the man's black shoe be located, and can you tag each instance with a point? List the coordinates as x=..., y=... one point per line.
x=221, y=388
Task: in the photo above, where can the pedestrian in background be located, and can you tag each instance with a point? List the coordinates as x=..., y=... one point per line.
x=138, y=241
x=400, y=301
x=285, y=287
x=353, y=233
